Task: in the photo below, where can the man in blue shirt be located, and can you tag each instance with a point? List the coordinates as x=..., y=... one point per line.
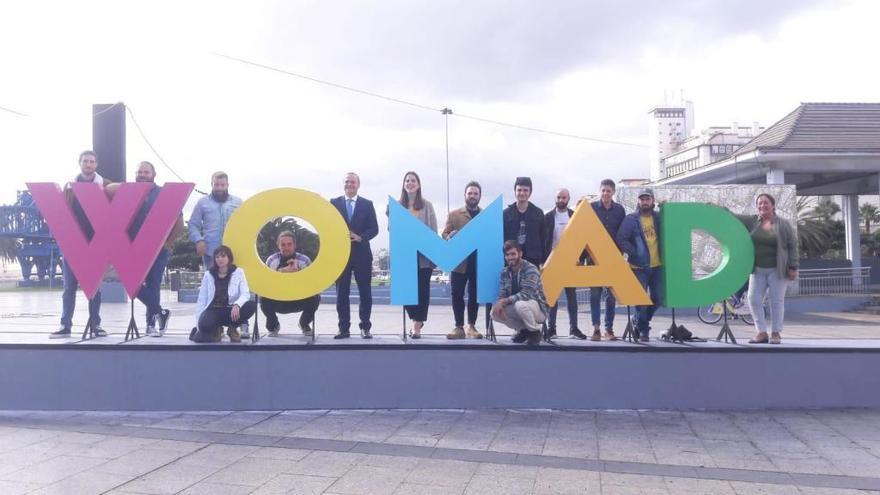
x=208, y=220
x=611, y=215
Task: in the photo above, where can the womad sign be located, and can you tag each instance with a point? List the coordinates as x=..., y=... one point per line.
x=132, y=258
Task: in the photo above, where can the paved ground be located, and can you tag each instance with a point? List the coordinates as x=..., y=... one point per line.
x=434, y=451
x=441, y=451
x=30, y=316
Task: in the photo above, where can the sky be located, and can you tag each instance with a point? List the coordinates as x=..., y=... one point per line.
x=583, y=67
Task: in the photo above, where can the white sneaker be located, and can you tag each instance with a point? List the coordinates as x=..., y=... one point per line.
x=244, y=330
x=152, y=332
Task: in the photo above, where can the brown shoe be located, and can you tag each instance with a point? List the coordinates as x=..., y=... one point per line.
x=456, y=334
x=233, y=334
x=775, y=338
x=473, y=333
x=609, y=335
x=597, y=336
x=760, y=338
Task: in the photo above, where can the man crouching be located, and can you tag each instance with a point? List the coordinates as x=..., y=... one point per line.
x=521, y=304
x=287, y=260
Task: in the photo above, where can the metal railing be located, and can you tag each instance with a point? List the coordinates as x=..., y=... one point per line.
x=832, y=281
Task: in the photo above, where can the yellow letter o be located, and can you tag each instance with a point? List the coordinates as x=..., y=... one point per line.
x=245, y=224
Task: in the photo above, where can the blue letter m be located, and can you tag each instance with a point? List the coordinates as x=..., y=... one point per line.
x=409, y=237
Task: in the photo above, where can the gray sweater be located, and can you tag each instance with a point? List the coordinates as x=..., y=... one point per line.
x=787, y=256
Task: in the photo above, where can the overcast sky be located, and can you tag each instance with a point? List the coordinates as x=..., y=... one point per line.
x=591, y=68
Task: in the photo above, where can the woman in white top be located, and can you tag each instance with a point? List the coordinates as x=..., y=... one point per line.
x=224, y=300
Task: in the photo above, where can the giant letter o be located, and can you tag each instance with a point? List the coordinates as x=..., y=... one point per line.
x=245, y=224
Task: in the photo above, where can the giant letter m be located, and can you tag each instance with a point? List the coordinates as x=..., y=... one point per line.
x=409, y=237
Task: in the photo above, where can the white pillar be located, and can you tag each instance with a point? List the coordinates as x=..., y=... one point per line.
x=850, y=210
x=775, y=176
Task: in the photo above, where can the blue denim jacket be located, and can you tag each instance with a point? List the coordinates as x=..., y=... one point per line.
x=631, y=239
x=208, y=220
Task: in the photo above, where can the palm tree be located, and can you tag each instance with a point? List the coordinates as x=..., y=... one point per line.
x=870, y=214
x=9, y=248
x=826, y=209
x=813, y=236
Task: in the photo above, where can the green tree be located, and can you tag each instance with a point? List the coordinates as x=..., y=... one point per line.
x=8, y=248
x=826, y=209
x=869, y=214
x=183, y=255
x=307, y=241
x=813, y=238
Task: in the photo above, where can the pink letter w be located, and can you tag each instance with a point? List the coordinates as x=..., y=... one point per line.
x=110, y=221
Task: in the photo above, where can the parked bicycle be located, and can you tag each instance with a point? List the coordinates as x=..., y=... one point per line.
x=737, y=309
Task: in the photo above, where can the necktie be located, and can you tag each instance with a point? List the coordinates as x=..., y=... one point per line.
x=349, y=206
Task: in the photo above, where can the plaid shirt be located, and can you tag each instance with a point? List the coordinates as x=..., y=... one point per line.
x=528, y=280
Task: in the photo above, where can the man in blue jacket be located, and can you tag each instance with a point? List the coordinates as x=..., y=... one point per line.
x=639, y=239
x=360, y=216
x=208, y=220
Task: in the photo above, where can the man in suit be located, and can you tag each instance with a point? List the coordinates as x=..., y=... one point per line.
x=360, y=216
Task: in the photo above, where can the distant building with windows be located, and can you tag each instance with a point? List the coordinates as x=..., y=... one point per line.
x=675, y=149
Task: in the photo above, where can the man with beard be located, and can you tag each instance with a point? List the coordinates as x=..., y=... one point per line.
x=521, y=304
x=157, y=318
x=523, y=223
x=287, y=260
x=611, y=215
x=208, y=222
x=555, y=222
x=639, y=239
x=465, y=274
x=88, y=164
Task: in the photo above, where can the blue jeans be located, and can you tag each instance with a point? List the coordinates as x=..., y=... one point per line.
x=149, y=293
x=572, y=304
x=68, y=300
x=650, y=280
x=596, y=296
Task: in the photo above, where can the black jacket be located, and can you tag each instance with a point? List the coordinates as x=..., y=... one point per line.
x=533, y=250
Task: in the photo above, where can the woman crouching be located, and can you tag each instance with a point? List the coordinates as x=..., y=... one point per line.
x=224, y=300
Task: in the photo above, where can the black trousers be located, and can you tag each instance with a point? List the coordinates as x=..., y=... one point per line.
x=271, y=308
x=363, y=276
x=419, y=312
x=212, y=319
x=572, y=305
x=459, y=281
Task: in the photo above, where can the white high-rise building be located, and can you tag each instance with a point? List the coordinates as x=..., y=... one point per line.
x=668, y=127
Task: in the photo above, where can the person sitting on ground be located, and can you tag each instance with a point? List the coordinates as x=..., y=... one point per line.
x=521, y=304
x=287, y=260
x=224, y=300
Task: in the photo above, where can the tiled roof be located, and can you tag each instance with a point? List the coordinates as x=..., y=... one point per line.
x=811, y=127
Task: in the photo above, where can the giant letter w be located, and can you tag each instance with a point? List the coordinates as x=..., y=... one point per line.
x=110, y=220
x=409, y=237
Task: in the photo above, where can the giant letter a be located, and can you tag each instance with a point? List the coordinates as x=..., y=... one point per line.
x=88, y=258
x=609, y=269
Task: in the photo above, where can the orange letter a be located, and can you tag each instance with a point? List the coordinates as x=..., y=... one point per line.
x=609, y=269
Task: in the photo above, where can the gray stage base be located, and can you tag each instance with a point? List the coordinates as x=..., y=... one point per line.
x=167, y=377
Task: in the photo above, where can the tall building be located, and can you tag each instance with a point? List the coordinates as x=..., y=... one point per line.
x=668, y=127
x=676, y=149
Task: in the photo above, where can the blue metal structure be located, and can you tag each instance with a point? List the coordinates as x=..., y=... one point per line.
x=37, y=249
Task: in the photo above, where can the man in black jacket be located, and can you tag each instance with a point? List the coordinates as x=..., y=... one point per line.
x=611, y=214
x=524, y=222
x=555, y=222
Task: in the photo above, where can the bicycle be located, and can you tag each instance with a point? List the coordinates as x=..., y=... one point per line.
x=713, y=313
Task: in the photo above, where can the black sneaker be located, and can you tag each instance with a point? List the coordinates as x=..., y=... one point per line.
x=164, y=316
x=533, y=338
x=99, y=332
x=61, y=333
x=366, y=334
x=521, y=336
x=575, y=333
x=551, y=333
x=342, y=335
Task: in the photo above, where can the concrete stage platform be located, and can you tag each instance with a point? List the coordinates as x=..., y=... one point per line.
x=826, y=360
x=293, y=373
